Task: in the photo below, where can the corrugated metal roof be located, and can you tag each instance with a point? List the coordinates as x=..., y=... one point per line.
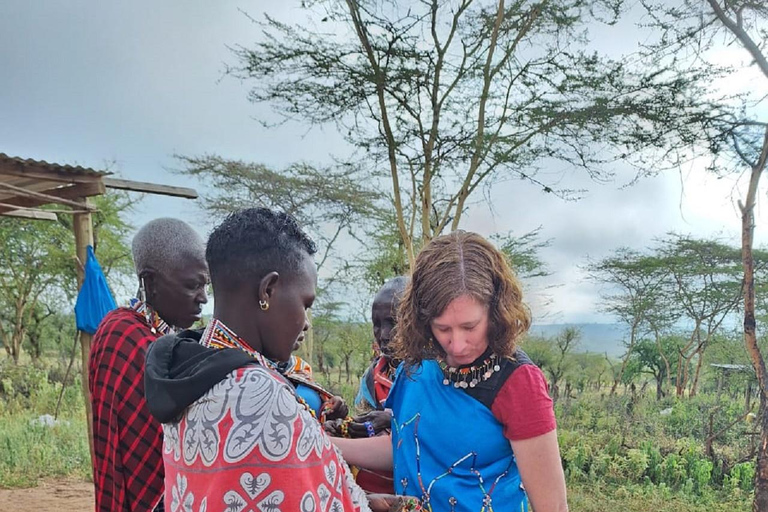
x=43, y=165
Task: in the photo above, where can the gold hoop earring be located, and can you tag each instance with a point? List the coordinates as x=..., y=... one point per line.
x=264, y=305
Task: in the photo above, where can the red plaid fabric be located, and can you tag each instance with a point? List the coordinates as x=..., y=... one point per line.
x=128, y=466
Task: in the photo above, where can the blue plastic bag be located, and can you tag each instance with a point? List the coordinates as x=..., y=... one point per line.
x=94, y=300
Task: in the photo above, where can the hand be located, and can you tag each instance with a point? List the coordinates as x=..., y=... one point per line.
x=380, y=421
x=333, y=427
x=336, y=409
x=392, y=503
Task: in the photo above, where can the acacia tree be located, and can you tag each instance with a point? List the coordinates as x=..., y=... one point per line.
x=39, y=268
x=633, y=292
x=648, y=357
x=704, y=280
x=734, y=135
x=563, y=346
x=33, y=255
x=326, y=202
x=451, y=96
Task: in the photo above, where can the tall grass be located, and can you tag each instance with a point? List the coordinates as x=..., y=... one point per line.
x=30, y=449
x=29, y=452
x=599, y=497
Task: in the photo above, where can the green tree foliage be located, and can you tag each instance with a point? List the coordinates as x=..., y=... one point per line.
x=38, y=274
x=704, y=279
x=633, y=284
x=540, y=351
x=523, y=253
x=36, y=257
x=563, y=346
x=681, y=281
x=443, y=98
x=328, y=203
x=733, y=133
x=648, y=357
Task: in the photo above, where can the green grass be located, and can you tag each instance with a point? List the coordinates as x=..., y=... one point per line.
x=609, y=448
x=597, y=497
x=29, y=452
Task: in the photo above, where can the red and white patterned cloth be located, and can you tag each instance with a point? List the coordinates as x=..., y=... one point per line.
x=249, y=445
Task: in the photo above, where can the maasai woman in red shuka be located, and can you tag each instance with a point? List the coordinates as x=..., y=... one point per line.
x=170, y=263
x=237, y=436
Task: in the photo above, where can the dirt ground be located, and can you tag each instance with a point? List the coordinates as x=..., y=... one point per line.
x=49, y=496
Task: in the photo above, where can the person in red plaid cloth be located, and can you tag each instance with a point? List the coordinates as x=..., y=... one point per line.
x=169, y=257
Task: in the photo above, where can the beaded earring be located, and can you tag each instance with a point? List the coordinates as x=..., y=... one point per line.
x=142, y=291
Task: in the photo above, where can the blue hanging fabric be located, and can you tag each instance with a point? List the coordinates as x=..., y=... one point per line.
x=94, y=300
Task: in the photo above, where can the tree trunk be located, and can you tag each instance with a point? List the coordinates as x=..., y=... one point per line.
x=620, y=376
x=695, y=385
x=750, y=329
x=16, y=339
x=346, y=367
x=761, y=474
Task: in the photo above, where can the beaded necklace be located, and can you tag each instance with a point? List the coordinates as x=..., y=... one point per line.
x=156, y=324
x=218, y=336
x=470, y=376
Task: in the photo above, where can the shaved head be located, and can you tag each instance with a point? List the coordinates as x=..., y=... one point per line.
x=162, y=243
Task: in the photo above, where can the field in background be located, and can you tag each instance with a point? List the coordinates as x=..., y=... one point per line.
x=620, y=453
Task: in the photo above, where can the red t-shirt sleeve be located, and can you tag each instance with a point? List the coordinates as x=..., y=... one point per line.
x=523, y=405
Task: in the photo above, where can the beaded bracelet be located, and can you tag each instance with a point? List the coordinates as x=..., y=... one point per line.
x=344, y=427
x=369, y=429
x=410, y=504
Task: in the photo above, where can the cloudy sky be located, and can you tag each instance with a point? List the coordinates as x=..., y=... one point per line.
x=127, y=85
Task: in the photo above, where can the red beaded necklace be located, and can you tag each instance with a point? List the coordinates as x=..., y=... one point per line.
x=217, y=335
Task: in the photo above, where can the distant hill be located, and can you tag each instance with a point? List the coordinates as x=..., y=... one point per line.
x=600, y=338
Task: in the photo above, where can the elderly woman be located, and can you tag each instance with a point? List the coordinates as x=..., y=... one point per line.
x=169, y=257
x=473, y=426
x=237, y=434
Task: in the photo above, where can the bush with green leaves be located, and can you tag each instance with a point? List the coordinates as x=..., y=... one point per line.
x=623, y=441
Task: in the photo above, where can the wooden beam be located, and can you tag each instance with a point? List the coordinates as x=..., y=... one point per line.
x=82, y=225
x=44, y=198
x=72, y=192
x=150, y=188
x=30, y=214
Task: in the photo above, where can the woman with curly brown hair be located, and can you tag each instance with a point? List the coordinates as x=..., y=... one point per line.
x=473, y=427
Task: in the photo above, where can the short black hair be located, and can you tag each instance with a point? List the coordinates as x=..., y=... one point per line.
x=251, y=243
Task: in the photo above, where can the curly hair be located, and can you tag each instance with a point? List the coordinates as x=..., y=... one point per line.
x=250, y=243
x=450, y=266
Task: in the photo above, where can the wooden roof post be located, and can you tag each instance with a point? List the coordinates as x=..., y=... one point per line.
x=83, y=228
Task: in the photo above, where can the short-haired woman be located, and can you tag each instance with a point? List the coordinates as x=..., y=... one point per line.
x=473, y=426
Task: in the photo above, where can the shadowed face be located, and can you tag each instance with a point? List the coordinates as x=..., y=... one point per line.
x=462, y=330
x=383, y=318
x=283, y=325
x=178, y=294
